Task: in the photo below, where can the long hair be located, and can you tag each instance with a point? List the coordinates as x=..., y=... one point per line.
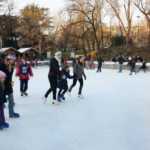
x=2, y=87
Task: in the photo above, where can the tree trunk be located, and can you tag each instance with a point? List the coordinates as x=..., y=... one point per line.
x=149, y=36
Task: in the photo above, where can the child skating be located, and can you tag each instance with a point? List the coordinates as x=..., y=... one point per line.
x=24, y=71
x=63, y=84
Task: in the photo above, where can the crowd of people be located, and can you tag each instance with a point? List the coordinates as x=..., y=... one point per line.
x=57, y=76
x=59, y=73
x=134, y=64
x=131, y=62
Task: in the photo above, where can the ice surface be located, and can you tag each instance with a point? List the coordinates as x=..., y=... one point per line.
x=114, y=115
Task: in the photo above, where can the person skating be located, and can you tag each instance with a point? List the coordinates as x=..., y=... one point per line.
x=100, y=62
x=7, y=66
x=53, y=76
x=144, y=66
x=78, y=71
x=132, y=65
x=120, y=61
x=24, y=71
x=63, y=84
x=3, y=123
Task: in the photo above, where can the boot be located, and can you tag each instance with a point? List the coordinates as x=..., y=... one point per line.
x=63, y=97
x=4, y=125
x=14, y=115
x=59, y=98
x=55, y=102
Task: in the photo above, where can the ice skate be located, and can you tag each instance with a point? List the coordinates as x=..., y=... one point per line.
x=14, y=115
x=21, y=94
x=63, y=98
x=44, y=99
x=1, y=127
x=4, y=125
x=55, y=102
x=80, y=96
x=69, y=93
x=25, y=94
x=59, y=98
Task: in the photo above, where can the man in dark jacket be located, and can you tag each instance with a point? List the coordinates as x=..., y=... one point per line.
x=100, y=62
x=120, y=61
x=7, y=67
x=132, y=65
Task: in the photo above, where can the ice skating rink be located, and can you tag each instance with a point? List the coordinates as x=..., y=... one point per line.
x=114, y=115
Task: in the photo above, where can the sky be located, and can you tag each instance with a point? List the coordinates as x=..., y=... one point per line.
x=54, y=5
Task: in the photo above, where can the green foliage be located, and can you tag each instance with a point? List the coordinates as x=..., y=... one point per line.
x=118, y=40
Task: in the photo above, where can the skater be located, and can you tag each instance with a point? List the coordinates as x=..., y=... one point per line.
x=78, y=71
x=24, y=71
x=132, y=65
x=143, y=67
x=63, y=84
x=100, y=63
x=3, y=124
x=53, y=75
x=120, y=61
x=7, y=66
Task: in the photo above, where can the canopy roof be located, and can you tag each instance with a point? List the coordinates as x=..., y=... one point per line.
x=23, y=50
x=5, y=49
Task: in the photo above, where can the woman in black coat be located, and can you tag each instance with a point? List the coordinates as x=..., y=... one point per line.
x=53, y=76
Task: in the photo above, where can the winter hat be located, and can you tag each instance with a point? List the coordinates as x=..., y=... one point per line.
x=58, y=54
x=2, y=75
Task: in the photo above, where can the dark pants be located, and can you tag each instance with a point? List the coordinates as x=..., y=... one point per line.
x=99, y=68
x=23, y=85
x=2, y=117
x=75, y=82
x=143, y=68
x=53, y=84
x=132, y=69
x=63, y=90
x=49, y=90
x=11, y=104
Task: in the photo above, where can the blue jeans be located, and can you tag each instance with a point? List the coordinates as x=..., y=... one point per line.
x=11, y=104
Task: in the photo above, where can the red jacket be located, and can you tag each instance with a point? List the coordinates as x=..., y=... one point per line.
x=24, y=71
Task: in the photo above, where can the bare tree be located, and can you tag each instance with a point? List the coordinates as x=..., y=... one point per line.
x=144, y=7
x=89, y=15
x=118, y=7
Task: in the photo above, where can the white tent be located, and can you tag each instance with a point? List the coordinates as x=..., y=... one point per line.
x=5, y=49
x=23, y=50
